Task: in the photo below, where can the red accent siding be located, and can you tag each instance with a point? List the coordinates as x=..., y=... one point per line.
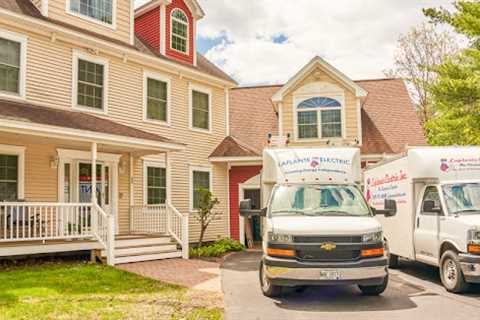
x=238, y=175
x=147, y=27
x=169, y=51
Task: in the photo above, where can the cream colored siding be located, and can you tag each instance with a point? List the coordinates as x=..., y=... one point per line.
x=49, y=83
x=57, y=10
x=351, y=114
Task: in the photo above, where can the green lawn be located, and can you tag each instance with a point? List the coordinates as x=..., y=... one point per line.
x=91, y=291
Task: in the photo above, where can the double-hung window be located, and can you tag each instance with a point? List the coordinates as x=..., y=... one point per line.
x=90, y=76
x=99, y=10
x=12, y=64
x=319, y=117
x=8, y=177
x=179, y=31
x=156, y=98
x=156, y=184
x=200, y=109
x=200, y=179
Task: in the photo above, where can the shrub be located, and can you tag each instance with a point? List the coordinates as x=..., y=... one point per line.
x=217, y=248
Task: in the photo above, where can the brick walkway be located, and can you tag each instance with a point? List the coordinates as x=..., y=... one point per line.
x=188, y=273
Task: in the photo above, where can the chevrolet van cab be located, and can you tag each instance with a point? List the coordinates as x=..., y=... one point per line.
x=437, y=193
x=318, y=228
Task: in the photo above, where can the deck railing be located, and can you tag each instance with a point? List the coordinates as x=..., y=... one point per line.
x=161, y=219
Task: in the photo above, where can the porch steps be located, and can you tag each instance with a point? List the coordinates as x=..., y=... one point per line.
x=136, y=248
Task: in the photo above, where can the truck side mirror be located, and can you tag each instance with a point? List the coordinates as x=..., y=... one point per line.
x=429, y=206
x=247, y=211
x=390, y=208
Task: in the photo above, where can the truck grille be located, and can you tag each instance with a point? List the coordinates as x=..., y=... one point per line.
x=323, y=239
x=336, y=255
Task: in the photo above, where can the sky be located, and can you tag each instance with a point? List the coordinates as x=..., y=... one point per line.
x=268, y=41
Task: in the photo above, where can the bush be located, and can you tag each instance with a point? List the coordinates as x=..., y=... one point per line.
x=217, y=248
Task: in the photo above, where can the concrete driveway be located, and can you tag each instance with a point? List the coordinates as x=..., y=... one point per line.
x=414, y=292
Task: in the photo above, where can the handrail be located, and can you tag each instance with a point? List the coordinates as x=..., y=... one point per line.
x=178, y=228
x=105, y=232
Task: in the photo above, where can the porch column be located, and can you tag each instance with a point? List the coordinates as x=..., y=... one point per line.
x=94, y=172
x=168, y=173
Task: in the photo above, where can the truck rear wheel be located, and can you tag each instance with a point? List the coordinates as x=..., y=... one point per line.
x=374, y=290
x=451, y=273
x=392, y=261
x=268, y=289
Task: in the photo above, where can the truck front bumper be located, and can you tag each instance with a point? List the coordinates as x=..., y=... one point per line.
x=287, y=272
x=470, y=267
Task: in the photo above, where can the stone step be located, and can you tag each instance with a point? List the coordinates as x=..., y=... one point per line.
x=148, y=257
x=142, y=249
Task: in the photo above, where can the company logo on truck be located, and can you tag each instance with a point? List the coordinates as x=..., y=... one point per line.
x=459, y=164
x=315, y=164
x=386, y=187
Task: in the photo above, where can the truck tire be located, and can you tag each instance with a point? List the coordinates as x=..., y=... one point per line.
x=374, y=290
x=268, y=289
x=451, y=273
x=393, y=261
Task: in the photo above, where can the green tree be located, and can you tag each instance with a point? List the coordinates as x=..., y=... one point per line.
x=456, y=92
x=205, y=214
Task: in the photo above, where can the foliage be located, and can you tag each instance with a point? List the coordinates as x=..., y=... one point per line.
x=418, y=53
x=456, y=92
x=89, y=291
x=217, y=249
x=205, y=213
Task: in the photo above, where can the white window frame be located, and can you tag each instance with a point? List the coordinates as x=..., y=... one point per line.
x=188, y=31
x=208, y=91
x=153, y=164
x=299, y=99
x=151, y=75
x=18, y=151
x=190, y=183
x=77, y=55
x=112, y=26
x=22, y=39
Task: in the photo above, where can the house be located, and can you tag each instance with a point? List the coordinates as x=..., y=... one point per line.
x=100, y=87
x=97, y=95
x=319, y=106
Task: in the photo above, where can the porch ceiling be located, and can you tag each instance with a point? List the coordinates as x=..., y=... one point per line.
x=25, y=118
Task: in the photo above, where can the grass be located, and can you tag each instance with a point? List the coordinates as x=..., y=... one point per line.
x=90, y=291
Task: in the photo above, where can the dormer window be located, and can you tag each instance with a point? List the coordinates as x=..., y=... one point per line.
x=179, y=31
x=319, y=117
x=98, y=10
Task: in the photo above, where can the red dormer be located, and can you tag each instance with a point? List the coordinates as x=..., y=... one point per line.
x=169, y=27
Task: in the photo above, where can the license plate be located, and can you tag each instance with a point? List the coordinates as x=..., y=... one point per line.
x=329, y=275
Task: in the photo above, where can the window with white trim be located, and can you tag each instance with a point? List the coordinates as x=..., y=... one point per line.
x=91, y=83
x=200, y=180
x=12, y=63
x=157, y=99
x=319, y=117
x=101, y=10
x=156, y=184
x=200, y=110
x=179, y=31
x=8, y=177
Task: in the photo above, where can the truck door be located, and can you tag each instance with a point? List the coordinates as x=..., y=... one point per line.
x=427, y=226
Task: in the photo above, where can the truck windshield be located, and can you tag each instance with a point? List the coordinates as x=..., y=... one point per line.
x=318, y=200
x=462, y=198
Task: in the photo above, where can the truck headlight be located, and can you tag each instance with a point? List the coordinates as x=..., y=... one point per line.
x=473, y=236
x=279, y=238
x=373, y=237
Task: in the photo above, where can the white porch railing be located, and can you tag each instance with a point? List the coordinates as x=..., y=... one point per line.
x=39, y=221
x=161, y=219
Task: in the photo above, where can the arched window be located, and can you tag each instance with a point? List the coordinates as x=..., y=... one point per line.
x=179, y=31
x=319, y=117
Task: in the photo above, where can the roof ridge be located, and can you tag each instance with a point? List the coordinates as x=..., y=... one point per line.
x=243, y=144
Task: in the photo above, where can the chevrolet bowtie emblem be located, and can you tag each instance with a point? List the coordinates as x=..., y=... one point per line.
x=328, y=246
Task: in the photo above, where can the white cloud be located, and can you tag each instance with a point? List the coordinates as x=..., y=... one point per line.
x=356, y=36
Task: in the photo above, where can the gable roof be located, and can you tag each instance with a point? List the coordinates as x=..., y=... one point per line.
x=325, y=66
x=193, y=5
x=27, y=8
x=232, y=146
x=389, y=121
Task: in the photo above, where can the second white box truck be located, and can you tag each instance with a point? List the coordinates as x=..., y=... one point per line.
x=437, y=192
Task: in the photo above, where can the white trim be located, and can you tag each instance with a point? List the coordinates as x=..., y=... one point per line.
x=22, y=40
x=236, y=159
x=329, y=69
x=44, y=8
x=112, y=26
x=208, y=91
x=163, y=29
x=44, y=28
x=191, y=169
x=227, y=111
x=93, y=59
x=194, y=35
x=150, y=6
x=153, y=164
x=69, y=154
x=359, y=123
x=155, y=76
x=18, y=151
x=132, y=22
x=280, y=119
x=187, y=47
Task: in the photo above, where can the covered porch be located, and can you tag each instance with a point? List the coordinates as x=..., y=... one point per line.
x=51, y=161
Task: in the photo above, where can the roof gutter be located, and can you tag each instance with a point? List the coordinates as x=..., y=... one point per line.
x=38, y=25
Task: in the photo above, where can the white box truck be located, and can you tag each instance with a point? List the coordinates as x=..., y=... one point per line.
x=318, y=228
x=437, y=193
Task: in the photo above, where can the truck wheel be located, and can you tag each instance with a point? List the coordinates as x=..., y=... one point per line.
x=268, y=289
x=374, y=290
x=451, y=273
x=393, y=261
